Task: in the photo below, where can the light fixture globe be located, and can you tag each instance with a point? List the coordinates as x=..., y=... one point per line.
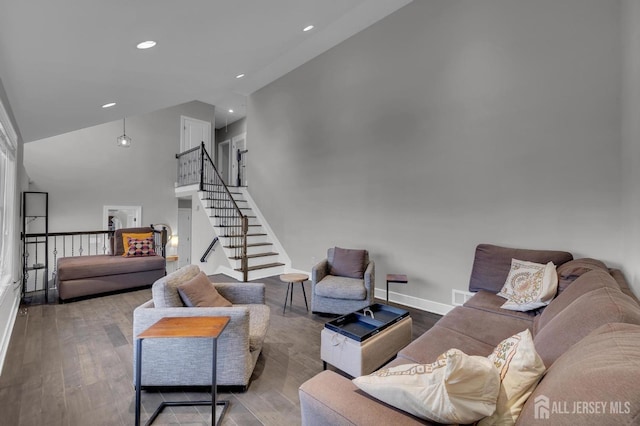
x=123, y=141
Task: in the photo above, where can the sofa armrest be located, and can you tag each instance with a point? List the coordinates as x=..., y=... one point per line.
x=331, y=399
x=242, y=293
x=370, y=276
x=318, y=272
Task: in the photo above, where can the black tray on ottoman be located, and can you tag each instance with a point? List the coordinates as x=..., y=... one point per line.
x=360, y=326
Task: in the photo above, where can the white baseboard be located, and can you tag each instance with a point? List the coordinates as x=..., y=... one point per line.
x=414, y=302
x=9, y=303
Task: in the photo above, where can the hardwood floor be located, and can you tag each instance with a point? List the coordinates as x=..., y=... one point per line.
x=72, y=364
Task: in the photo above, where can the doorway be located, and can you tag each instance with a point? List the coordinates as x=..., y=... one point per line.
x=184, y=233
x=224, y=161
x=193, y=132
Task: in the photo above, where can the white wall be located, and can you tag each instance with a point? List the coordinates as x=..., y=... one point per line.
x=631, y=140
x=447, y=124
x=85, y=170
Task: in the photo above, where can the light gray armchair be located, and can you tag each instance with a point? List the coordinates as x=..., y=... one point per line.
x=335, y=294
x=187, y=362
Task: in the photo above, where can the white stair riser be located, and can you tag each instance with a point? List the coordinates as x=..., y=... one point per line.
x=264, y=273
x=259, y=249
x=250, y=239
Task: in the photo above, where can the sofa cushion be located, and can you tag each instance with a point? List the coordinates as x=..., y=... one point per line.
x=602, y=368
x=165, y=290
x=492, y=263
x=520, y=369
x=456, y=388
x=433, y=342
x=491, y=302
x=568, y=272
x=577, y=267
x=585, y=283
x=579, y=318
x=341, y=288
x=348, y=263
x=622, y=282
x=529, y=285
x=78, y=267
x=483, y=326
x=199, y=292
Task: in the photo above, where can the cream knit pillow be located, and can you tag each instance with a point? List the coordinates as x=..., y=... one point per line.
x=457, y=388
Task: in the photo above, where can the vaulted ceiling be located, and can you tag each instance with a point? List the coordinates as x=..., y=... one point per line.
x=60, y=61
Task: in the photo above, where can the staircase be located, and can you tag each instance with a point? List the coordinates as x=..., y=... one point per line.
x=245, y=240
x=262, y=260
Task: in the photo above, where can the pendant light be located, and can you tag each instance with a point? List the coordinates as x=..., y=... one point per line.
x=123, y=141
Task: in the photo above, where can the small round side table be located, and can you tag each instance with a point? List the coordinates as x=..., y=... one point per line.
x=292, y=279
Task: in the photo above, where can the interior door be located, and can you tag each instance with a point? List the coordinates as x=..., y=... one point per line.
x=184, y=237
x=193, y=133
x=224, y=160
x=238, y=143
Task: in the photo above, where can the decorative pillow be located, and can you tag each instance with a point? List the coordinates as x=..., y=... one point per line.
x=139, y=248
x=520, y=369
x=127, y=235
x=348, y=263
x=457, y=388
x=199, y=292
x=165, y=290
x=529, y=285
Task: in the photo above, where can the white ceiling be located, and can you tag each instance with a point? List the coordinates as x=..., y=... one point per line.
x=61, y=60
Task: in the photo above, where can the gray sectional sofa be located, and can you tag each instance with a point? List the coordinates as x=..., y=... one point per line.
x=588, y=338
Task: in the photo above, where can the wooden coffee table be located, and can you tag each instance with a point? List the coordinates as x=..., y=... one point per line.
x=172, y=327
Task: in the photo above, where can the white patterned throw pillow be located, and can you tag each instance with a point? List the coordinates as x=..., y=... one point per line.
x=457, y=388
x=529, y=285
x=520, y=369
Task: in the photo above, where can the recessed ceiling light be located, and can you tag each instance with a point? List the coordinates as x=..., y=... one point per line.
x=146, y=44
x=109, y=105
x=230, y=111
x=239, y=75
x=307, y=28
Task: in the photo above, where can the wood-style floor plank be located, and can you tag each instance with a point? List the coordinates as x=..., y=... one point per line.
x=71, y=364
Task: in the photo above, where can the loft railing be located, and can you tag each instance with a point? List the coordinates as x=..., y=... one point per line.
x=40, y=268
x=196, y=167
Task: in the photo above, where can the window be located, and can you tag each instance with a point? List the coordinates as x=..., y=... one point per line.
x=8, y=184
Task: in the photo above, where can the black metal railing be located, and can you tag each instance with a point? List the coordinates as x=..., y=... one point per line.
x=196, y=167
x=40, y=268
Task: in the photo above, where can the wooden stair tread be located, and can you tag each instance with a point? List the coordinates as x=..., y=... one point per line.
x=258, y=267
x=249, y=245
x=251, y=256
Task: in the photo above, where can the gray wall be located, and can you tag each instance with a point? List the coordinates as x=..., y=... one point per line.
x=448, y=124
x=227, y=132
x=631, y=140
x=85, y=170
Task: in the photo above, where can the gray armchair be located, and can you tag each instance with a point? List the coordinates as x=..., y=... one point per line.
x=336, y=294
x=187, y=362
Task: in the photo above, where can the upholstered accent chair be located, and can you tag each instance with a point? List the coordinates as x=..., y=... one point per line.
x=343, y=282
x=187, y=362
